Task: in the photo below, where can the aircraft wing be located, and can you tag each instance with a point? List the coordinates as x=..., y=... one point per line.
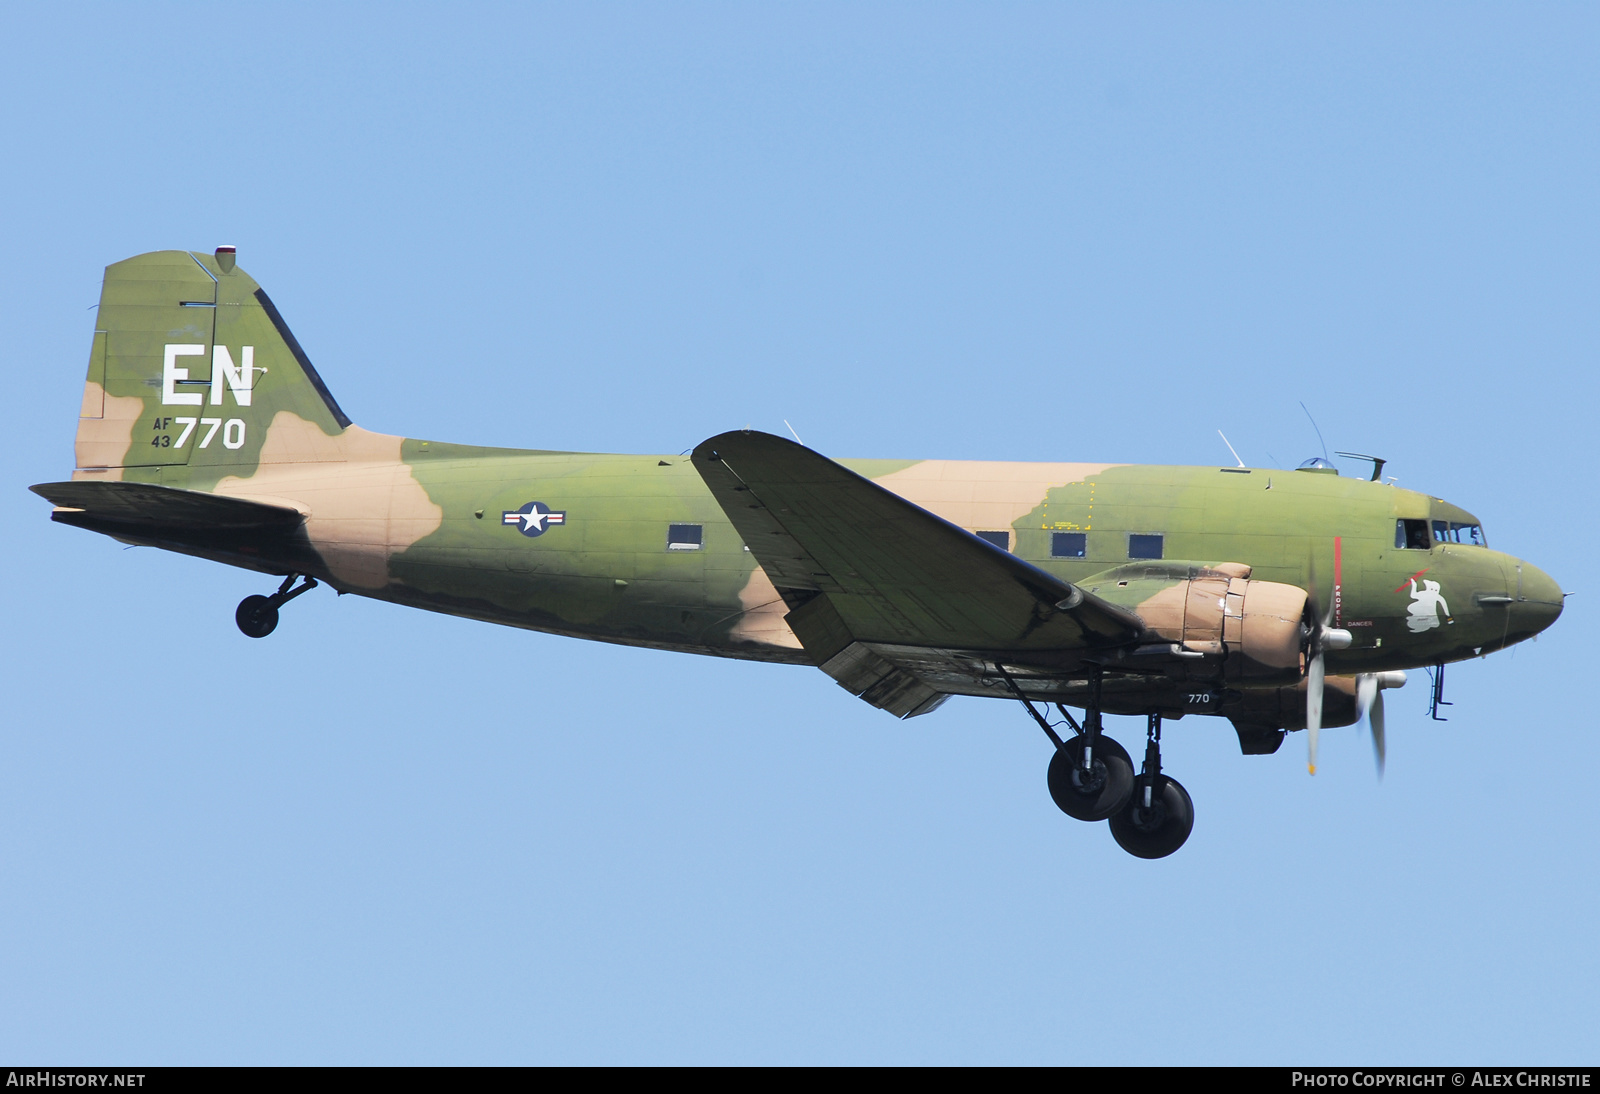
x=895, y=576
x=143, y=504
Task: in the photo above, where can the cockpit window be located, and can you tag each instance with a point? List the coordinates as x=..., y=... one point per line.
x=1449, y=531
x=1412, y=535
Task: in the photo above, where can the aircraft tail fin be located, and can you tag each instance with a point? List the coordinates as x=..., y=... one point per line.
x=191, y=365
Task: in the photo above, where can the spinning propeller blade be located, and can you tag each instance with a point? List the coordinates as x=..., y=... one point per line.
x=1321, y=636
x=1369, y=704
x=1375, y=723
x=1314, y=674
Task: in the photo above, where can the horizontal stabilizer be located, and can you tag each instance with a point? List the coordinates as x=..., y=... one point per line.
x=147, y=505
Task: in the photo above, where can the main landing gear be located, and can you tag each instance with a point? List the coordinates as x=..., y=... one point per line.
x=1091, y=778
x=1090, y=775
x=257, y=616
x=1159, y=815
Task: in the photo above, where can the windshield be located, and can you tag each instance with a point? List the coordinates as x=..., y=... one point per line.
x=1450, y=531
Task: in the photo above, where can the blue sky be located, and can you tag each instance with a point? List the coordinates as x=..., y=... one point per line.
x=1001, y=232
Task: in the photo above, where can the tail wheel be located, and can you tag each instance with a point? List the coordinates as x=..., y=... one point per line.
x=1156, y=830
x=1096, y=792
x=256, y=616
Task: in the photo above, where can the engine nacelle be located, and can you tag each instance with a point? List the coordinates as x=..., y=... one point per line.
x=1252, y=627
x=1285, y=707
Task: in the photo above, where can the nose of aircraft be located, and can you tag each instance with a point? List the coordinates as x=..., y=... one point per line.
x=1538, y=603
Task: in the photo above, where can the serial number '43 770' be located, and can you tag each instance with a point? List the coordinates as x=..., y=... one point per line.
x=232, y=432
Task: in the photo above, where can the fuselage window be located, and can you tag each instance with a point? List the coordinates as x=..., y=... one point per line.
x=1412, y=535
x=1001, y=540
x=685, y=537
x=1456, y=532
x=1068, y=544
x=1144, y=546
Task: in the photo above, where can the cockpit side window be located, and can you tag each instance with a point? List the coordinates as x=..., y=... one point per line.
x=1412, y=535
x=1450, y=531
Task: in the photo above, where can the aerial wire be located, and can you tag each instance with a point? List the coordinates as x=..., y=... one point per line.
x=1319, y=433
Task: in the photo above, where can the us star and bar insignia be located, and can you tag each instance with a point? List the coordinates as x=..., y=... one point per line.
x=533, y=519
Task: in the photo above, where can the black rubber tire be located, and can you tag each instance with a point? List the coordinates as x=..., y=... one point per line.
x=1107, y=790
x=1162, y=829
x=257, y=616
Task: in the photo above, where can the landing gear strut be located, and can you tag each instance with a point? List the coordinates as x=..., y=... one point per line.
x=1159, y=816
x=257, y=616
x=1091, y=775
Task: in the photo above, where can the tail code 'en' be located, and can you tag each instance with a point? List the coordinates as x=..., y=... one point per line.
x=191, y=365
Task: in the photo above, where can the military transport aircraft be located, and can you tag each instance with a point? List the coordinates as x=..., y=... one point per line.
x=1279, y=600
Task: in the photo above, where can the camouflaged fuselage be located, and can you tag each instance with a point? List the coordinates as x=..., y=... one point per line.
x=196, y=384
x=423, y=523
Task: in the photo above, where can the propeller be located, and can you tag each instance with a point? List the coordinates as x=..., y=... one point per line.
x=1321, y=636
x=1369, y=704
x=1370, y=687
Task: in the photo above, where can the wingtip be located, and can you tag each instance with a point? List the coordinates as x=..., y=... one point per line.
x=735, y=438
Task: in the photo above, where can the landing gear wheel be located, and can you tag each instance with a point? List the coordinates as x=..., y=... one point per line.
x=1158, y=831
x=256, y=616
x=1098, y=793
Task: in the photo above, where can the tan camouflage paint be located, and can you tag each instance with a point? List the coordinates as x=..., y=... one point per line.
x=104, y=438
x=763, y=618
x=361, y=511
x=983, y=495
